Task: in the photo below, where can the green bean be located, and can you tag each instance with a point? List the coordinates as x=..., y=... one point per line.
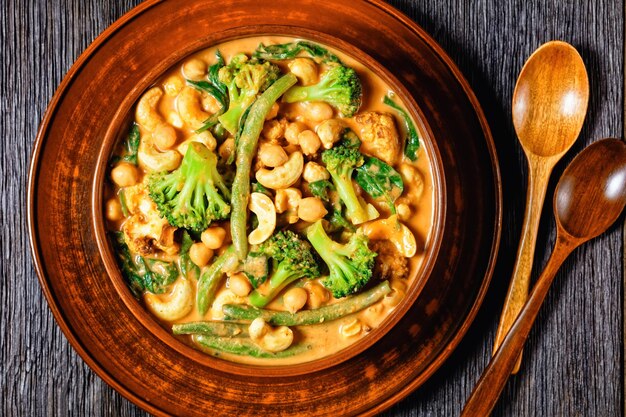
x=305, y=317
x=245, y=153
x=245, y=347
x=212, y=328
x=211, y=279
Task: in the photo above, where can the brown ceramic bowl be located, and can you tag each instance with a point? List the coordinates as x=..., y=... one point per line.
x=126, y=346
x=118, y=128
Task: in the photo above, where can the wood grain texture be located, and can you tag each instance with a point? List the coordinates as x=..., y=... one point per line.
x=573, y=359
x=589, y=197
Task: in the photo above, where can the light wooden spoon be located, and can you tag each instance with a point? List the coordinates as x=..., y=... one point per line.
x=549, y=107
x=589, y=197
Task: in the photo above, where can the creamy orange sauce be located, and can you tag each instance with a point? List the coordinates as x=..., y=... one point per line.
x=330, y=337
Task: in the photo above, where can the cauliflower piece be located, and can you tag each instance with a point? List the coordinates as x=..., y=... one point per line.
x=389, y=263
x=145, y=231
x=379, y=135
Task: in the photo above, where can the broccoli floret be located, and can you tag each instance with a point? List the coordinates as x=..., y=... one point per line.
x=188, y=197
x=292, y=257
x=340, y=162
x=350, y=264
x=339, y=86
x=245, y=79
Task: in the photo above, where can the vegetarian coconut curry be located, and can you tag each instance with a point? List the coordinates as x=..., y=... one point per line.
x=271, y=203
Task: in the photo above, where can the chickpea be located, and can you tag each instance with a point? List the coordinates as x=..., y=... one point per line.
x=125, y=174
x=239, y=284
x=311, y=209
x=329, y=132
x=173, y=85
x=194, y=69
x=213, y=237
x=404, y=211
x=200, y=254
x=210, y=104
x=294, y=299
x=164, y=136
x=293, y=130
x=113, y=210
x=315, y=172
x=318, y=295
x=316, y=111
x=227, y=149
x=305, y=69
x=273, y=112
x=272, y=155
x=309, y=142
x=273, y=130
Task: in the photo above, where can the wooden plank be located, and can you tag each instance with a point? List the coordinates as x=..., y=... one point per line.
x=574, y=358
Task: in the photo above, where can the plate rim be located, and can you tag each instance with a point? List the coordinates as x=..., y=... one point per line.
x=100, y=369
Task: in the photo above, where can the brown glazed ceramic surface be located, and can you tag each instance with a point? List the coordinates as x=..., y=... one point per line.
x=142, y=361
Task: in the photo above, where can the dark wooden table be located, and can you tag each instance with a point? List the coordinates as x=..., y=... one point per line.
x=574, y=357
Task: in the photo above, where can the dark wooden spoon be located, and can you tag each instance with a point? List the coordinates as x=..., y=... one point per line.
x=589, y=197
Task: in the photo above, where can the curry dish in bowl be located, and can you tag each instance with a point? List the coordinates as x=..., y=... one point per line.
x=272, y=202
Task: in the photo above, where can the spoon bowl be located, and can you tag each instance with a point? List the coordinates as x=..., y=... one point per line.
x=550, y=99
x=592, y=191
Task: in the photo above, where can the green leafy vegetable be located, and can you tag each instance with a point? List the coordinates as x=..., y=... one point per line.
x=187, y=267
x=131, y=145
x=412, y=143
x=338, y=221
x=380, y=180
x=214, y=87
x=143, y=274
x=257, y=187
x=321, y=188
x=293, y=49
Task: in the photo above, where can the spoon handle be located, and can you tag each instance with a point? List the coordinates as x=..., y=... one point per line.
x=488, y=389
x=517, y=294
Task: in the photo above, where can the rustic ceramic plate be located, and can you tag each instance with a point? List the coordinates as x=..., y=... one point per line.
x=142, y=364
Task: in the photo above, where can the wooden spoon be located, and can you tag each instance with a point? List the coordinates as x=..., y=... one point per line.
x=589, y=197
x=549, y=107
